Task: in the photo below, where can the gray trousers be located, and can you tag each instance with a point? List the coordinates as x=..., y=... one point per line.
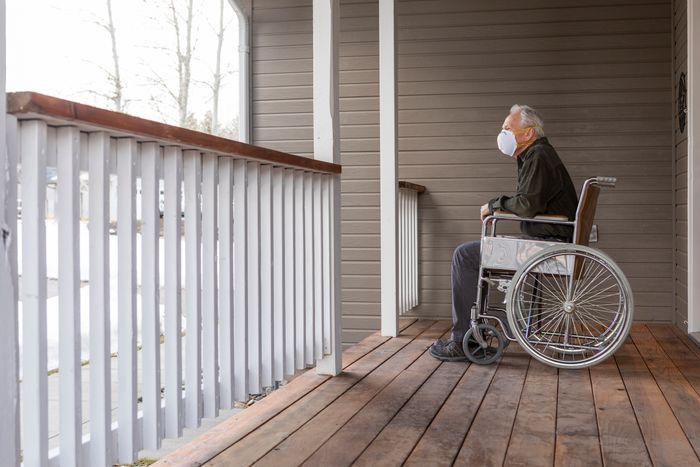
x=465, y=277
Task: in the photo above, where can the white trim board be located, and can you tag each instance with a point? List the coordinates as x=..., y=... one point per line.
x=693, y=165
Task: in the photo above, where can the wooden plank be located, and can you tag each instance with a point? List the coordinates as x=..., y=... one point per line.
x=663, y=436
x=356, y=384
x=442, y=440
x=328, y=269
x=226, y=282
x=487, y=439
x=240, y=286
x=279, y=311
x=70, y=392
x=126, y=237
x=682, y=356
x=253, y=278
x=192, y=161
x=289, y=273
x=309, y=294
x=301, y=444
x=679, y=394
x=686, y=340
x=216, y=440
x=577, y=430
x=350, y=441
x=33, y=144
x=300, y=265
x=172, y=326
x=151, y=160
x=27, y=104
x=267, y=323
x=317, y=282
x=396, y=441
x=621, y=442
x=532, y=441
x=100, y=372
x=9, y=340
x=210, y=289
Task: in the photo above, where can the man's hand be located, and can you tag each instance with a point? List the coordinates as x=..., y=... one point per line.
x=485, y=211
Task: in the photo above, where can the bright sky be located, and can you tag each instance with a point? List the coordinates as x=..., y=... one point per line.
x=56, y=47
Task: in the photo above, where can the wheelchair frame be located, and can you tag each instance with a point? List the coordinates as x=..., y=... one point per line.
x=506, y=261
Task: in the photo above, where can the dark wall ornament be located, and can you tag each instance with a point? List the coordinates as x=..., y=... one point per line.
x=682, y=102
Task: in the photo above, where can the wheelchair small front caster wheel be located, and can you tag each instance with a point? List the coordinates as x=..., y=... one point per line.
x=495, y=343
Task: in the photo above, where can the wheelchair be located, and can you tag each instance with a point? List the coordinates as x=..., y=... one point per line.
x=567, y=304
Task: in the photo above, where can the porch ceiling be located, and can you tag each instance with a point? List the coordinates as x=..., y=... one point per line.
x=394, y=404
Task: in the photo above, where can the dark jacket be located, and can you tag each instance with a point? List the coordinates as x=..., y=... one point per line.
x=544, y=187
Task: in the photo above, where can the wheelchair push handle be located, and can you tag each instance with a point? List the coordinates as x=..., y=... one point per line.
x=606, y=181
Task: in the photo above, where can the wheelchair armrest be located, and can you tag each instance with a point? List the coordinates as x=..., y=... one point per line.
x=540, y=219
x=547, y=217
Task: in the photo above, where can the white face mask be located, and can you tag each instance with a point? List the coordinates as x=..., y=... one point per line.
x=507, y=143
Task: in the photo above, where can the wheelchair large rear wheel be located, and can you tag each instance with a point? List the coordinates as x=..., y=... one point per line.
x=570, y=306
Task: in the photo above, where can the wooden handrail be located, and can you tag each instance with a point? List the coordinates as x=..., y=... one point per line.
x=28, y=105
x=412, y=186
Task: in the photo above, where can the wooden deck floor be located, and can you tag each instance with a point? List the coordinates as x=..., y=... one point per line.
x=394, y=405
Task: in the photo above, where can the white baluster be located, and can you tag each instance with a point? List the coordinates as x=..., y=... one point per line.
x=318, y=267
x=100, y=369
x=289, y=273
x=333, y=363
x=300, y=275
x=327, y=217
x=404, y=248
x=401, y=249
x=266, y=322
x=150, y=290
x=126, y=236
x=34, y=377
x=309, y=268
x=414, y=248
x=9, y=336
x=226, y=281
x=193, y=263
x=172, y=239
x=278, y=271
x=253, y=233
x=70, y=393
x=240, y=291
x=210, y=354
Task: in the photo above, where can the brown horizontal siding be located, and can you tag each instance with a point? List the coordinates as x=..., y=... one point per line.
x=680, y=168
x=598, y=71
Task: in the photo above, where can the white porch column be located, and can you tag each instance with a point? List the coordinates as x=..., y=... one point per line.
x=326, y=23
x=9, y=369
x=244, y=10
x=388, y=166
x=694, y=168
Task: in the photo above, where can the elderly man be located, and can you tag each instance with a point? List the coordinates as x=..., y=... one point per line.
x=544, y=187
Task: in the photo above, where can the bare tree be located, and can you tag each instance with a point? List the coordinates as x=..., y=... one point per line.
x=184, y=58
x=117, y=97
x=216, y=85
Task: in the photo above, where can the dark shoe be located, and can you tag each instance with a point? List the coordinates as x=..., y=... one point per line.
x=451, y=351
x=439, y=343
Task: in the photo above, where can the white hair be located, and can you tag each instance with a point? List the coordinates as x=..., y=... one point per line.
x=529, y=118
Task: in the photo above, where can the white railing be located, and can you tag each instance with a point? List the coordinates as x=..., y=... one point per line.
x=408, y=245
x=223, y=292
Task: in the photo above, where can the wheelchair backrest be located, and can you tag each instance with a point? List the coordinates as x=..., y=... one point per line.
x=585, y=212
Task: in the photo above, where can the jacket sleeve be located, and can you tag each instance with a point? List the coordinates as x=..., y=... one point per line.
x=536, y=183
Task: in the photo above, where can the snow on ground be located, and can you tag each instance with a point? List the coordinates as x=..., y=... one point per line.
x=52, y=306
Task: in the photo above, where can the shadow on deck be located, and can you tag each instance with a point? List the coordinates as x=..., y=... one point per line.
x=394, y=404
